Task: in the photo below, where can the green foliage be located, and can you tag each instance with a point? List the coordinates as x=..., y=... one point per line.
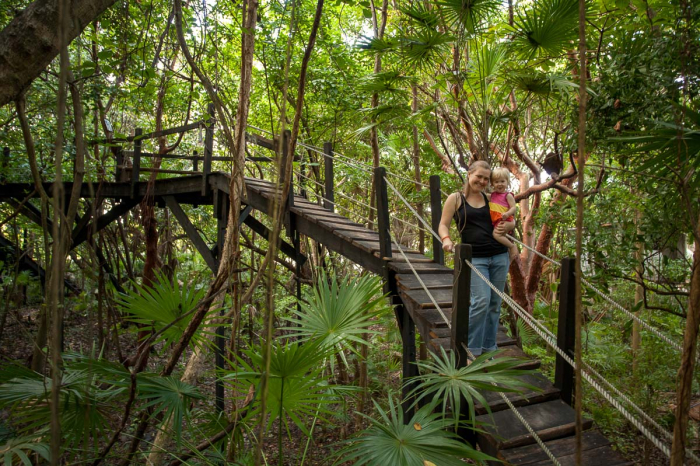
x=546, y=29
x=168, y=395
x=166, y=306
x=470, y=14
x=22, y=447
x=443, y=380
x=295, y=387
x=338, y=312
x=422, y=440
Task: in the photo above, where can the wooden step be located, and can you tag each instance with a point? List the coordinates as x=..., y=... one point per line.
x=596, y=451
x=509, y=351
x=410, y=282
x=543, y=391
x=421, y=299
x=421, y=268
x=550, y=420
x=502, y=338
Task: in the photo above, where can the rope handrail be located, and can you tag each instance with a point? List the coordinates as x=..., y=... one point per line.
x=547, y=336
x=419, y=217
x=337, y=193
x=611, y=301
x=503, y=396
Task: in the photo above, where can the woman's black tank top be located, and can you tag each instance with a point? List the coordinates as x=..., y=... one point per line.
x=476, y=228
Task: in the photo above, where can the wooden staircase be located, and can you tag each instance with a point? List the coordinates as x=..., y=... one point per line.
x=503, y=434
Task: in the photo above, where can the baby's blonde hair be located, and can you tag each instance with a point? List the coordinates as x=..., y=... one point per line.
x=500, y=173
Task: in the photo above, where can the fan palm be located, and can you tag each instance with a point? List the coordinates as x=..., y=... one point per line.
x=165, y=305
x=423, y=440
x=546, y=29
x=337, y=313
x=443, y=380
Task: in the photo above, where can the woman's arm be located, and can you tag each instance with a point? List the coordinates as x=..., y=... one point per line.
x=448, y=212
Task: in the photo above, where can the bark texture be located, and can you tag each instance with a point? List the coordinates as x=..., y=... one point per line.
x=34, y=33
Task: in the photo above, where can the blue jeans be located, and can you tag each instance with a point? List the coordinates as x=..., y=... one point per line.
x=485, y=307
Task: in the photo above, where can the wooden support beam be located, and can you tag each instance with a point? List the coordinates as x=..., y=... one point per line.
x=329, y=202
x=461, y=300
x=461, y=297
x=263, y=231
x=79, y=236
x=566, y=331
x=208, y=149
x=118, y=164
x=151, y=135
x=136, y=162
x=244, y=214
x=28, y=210
x=191, y=232
x=4, y=164
x=383, y=221
x=435, y=215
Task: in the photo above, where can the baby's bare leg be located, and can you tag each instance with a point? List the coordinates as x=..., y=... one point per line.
x=512, y=248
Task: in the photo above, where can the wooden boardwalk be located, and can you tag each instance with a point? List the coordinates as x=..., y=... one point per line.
x=503, y=436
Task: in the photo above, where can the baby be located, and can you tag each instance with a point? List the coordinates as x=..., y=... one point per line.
x=503, y=207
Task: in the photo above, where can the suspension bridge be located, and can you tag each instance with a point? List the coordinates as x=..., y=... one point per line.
x=535, y=427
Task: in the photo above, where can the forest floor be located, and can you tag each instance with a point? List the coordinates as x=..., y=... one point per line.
x=328, y=437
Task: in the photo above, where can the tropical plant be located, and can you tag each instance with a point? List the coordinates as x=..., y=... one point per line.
x=337, y=313
x=22, y=447
x=165, y=305
x=423, y=440
x=296, y=390
x=443, y=380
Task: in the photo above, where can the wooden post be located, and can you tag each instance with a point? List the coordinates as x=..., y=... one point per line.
x=3, y=165
x=208, y=149
x=435, y=215
x=566, y=331
x=460, y=302
x=136, y=163
x=409, y=367
x=195, y=162
x=221, y=211
x=461, y=299
x=382, y=212
x=329, y=203
x=118, y=164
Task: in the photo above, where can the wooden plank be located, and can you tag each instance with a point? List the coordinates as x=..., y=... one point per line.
x=595, y=447
x=509, y=351
x=402, y=267
x=550, y=420
x=443, y=296
x=192, y=232
x=442, y=331
x=544, y=391
x=408, y=281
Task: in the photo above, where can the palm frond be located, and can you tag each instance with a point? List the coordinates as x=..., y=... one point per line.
x=423, y=439
x=21, y=448
x=421, y=16
x=542, y=84
x=547, y=28
x=442, y=379
x=165, y=305
x=469, y=14
x=168, y=395
x=386, y=82
x=339, y=312
x=422, y=49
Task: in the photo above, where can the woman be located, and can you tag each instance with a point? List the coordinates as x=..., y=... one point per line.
x=470, y=209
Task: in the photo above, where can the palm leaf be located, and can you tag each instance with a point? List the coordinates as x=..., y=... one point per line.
x=443, y=380
x=165, y=305
x=169, y=395
x=423, y=49
x=469, y=14
x=21, y=447
x=423, y=439
x=338, y=313
x=547, y=28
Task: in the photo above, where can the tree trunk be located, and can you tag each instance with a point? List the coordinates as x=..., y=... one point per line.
x=685, y=373
x=34, y=33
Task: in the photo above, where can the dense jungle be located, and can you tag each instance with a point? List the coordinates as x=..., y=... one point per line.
x=218, y=231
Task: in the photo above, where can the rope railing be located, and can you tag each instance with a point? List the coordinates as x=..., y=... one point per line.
x=548, y=337
x=449, y=325
x=609, y=299
x=550, y=340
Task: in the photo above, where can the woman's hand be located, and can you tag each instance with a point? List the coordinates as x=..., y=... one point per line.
x=448, y=245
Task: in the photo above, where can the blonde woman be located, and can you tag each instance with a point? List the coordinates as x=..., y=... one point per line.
x=470, y=209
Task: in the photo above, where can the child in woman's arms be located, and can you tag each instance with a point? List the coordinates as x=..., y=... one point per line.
x=502, y=205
